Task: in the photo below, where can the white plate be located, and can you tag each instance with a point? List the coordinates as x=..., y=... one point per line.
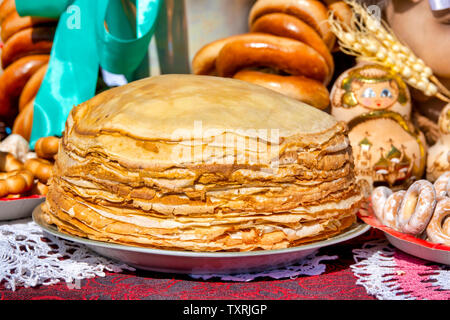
x=420, y=251
x=11, y=209
x=190, y=262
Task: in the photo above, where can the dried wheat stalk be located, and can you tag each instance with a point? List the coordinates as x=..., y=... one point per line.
x=373, y=40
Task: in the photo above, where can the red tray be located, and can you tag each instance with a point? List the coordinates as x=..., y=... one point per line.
x=417, y=247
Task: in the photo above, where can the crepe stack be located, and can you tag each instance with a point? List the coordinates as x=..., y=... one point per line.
x=202, y=163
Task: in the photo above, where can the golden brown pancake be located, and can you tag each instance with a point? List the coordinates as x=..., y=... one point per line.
x=202, y=163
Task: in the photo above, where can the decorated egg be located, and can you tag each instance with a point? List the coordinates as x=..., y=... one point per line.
x=375, y=102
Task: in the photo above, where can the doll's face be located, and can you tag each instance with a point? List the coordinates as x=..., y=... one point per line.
x=376, y=96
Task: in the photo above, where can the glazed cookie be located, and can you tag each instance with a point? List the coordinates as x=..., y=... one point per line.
x=417, y=208
x=438, y=229
x=391, y=208
x=442, y=185
x=379, y=198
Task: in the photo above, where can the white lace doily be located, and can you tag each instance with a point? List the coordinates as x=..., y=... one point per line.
x=28, y=258
x=390, y=274
x=309, y=266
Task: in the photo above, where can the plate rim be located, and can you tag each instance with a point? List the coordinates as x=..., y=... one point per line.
x=418, y=245
x=34, y=196
x=19, y=208
x=420, y=251
x=357, y=229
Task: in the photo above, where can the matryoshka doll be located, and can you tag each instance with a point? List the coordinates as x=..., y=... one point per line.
x=376, y=104
x=438, y=160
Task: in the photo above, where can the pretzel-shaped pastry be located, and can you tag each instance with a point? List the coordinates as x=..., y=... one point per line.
x=41, y=168
x=417, y=208
x=442, y=185
x=15, y=182
x=47, y=147
x=9, y=163
x=438, y=229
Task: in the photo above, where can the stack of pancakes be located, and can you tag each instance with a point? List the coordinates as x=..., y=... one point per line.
x=202, y=163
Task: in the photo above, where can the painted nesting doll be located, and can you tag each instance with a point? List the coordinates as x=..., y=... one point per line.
x=438, y=160
x=376, y=104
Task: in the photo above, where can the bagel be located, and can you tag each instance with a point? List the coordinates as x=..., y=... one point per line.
x=14, y=23
x=23, y=123
x=32, y=87
x=313, y=12
x=204, y=61
x=15, y=182
x=47, y=147
x=13, y=80
x=9, y=163
x=264, y=50
x=27, y=42
x=284, y=25
x=417, y=208
x=6, y=8
x=41, y=168
x=303, y=89
x=438, y=230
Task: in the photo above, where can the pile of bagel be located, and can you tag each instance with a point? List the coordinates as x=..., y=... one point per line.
x=24, y=173
x=288, y=49
x=26, y=45
x=422, y=211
